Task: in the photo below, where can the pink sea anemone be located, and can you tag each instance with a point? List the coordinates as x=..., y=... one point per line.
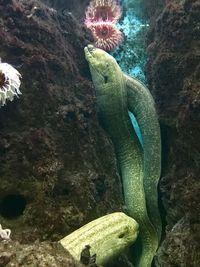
x=106, y=35
x=101, y=17
x=103, y=10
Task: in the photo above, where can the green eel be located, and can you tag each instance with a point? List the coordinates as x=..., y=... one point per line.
x=141, y=104
x=116, y=93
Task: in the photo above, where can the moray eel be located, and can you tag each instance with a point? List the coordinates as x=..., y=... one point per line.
x=113, y=88
x=107, y=236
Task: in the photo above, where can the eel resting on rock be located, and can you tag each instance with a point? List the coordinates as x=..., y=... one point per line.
x=117, y=94
x=107, y=237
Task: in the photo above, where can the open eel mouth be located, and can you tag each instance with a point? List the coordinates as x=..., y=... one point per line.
x=89, y=50
x=91, y=58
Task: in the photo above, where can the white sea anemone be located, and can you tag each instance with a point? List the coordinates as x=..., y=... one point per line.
x=4, y=233
x=9, y=83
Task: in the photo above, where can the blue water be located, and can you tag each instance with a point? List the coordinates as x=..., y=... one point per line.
x=131, y=55
x=136, y=127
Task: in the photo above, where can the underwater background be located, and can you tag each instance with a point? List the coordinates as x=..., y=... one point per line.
x=58, y=169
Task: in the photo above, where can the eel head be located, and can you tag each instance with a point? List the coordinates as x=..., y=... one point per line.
x=103, y=68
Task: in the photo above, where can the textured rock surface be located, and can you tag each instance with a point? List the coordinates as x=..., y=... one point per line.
x=56, y=164
x=37, y=254
x=174, y=76
x=75, y=6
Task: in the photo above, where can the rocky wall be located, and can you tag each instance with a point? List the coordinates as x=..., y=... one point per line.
x=57, y=167
x=173, y=73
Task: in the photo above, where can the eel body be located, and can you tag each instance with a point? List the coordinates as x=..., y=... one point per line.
x=141, y=104
x=110, y=87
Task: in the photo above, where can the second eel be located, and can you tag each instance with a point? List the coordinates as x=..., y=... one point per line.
x=112, y=87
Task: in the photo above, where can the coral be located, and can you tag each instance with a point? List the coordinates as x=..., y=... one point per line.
x=101, y=16
x=9, y=83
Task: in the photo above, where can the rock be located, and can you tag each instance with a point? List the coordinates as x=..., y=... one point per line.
x=38, y=254
x=57, y=166
x=173, y=73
